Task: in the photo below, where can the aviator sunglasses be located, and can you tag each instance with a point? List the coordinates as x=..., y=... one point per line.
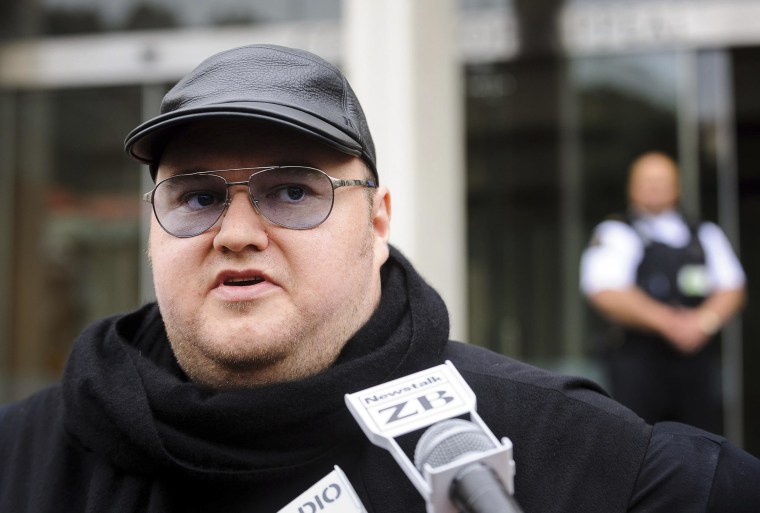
x=295, y=197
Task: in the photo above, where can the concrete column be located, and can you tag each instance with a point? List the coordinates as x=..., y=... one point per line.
x=402, y=60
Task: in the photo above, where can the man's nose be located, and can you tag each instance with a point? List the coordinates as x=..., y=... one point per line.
x=241, y=225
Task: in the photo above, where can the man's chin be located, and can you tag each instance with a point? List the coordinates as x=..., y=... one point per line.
x=224, y=367
x=239, y=307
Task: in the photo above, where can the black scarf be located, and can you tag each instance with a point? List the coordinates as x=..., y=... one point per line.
x=127, y=400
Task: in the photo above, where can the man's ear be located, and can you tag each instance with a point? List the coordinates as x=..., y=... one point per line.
x=381, y=222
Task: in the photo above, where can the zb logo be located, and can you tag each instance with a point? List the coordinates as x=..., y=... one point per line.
x=415, y=406
x=321, y=500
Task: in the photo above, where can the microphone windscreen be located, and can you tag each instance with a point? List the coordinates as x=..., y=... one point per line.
x=450, y=440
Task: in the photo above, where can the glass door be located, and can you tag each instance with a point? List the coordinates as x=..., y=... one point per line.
x=548, y=152
x=71, y=242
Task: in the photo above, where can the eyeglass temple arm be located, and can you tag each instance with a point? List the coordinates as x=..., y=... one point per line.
x=348, y=183
x=148, y=197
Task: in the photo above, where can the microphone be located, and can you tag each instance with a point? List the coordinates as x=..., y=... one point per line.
x=447, y=479
x=475, y=487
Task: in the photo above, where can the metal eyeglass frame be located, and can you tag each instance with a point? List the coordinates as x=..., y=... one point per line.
x=335, y=182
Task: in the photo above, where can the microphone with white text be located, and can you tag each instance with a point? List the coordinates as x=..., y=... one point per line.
x=460, y=466
x=475, y=488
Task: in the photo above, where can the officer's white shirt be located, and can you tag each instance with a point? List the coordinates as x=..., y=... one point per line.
x=611, y=260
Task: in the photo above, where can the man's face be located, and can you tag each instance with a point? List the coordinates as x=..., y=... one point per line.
x=249, y=302
x=653, y=186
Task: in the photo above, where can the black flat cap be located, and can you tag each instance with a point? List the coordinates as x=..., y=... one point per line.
x=275, y=84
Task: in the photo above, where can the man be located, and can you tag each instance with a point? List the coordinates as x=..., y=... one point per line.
x=671, y=285
x=277, y=294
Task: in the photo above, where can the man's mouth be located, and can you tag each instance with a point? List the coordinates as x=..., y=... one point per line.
x=243, y=282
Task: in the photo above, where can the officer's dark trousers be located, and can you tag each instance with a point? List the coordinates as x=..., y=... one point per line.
x=661, y=384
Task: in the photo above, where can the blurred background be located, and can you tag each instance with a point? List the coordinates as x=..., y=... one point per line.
x=504, y=129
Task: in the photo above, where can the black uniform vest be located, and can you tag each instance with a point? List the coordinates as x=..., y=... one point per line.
x=676, y=276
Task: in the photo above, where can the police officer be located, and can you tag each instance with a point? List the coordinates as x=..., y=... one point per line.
x=668, y=285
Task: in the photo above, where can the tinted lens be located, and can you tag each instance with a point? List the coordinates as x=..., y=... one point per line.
x=187, y=205
x=293, y=197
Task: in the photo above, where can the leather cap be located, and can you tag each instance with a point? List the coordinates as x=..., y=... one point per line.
x=275, y=84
